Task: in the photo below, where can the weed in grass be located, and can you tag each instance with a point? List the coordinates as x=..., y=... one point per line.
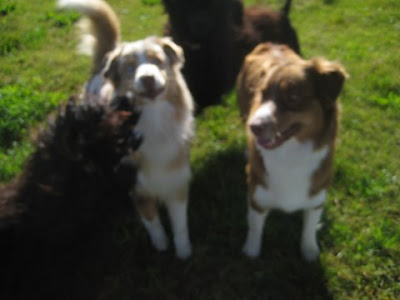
x=20, y=107
x=13, y=158
x=63, y=19
x=151, y=2
x=6, y=7
x=9, y=43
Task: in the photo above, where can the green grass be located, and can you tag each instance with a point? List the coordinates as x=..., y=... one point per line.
x=360, y=239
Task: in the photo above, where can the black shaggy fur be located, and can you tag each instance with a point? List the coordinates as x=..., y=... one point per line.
x=216, y=35
x=52, y=215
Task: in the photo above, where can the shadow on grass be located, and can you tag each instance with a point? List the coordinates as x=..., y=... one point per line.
x=217, y=269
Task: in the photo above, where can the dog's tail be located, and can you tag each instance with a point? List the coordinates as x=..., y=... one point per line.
x=100, y=32
x=286, y=8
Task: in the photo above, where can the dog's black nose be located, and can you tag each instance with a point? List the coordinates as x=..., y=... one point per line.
x=257, y=127
x=148, y=82
x=261, y=127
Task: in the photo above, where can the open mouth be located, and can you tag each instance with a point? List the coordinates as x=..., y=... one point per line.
x=279, y=139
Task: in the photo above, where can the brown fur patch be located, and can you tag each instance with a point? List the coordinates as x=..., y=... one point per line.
x=322, y=177
x=304, y=95
x=256, y=173
x=154, y=57
x=174, y=95
x=147, y=205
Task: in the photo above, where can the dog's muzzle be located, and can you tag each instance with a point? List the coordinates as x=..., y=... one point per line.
x=150, y=88
x=267, y=134
x=149, y=82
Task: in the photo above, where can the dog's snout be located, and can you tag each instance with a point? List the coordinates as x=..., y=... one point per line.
x=263, y=127
x=148, y=82
x=257, y=127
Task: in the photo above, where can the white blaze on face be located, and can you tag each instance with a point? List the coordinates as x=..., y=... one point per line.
x=264, y=114
x=146, y=68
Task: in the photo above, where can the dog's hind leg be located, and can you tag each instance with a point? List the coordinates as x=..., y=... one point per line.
x=147, y=207
x=177, y=209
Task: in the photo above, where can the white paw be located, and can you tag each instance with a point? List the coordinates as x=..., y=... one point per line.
x=251, y=250
x=160, y=241
x=310, y=252
x=183, y=248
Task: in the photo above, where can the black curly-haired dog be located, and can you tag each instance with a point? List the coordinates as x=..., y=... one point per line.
x=216, y=35
x=53, y=215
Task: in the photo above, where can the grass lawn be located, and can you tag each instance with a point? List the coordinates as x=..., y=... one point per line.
x=360, y=239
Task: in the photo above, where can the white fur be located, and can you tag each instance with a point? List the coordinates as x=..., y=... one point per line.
x=87, y=42
x=265, y=112
x=98, y=86
x=163, y=138
x=255, y=219
x=165, y=134
x=87, y=7
x=290, y=168
x=309, y=244
x=144, y=70
x=177, y=213
x=157, y=233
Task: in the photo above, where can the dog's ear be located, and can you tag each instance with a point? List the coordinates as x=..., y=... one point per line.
x=329, y=79
x=173, y=51
x=111, y=67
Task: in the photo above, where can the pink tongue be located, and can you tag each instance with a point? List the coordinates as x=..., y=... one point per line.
x=269, y=142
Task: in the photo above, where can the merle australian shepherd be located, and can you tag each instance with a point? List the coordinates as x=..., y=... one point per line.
x=216, y=35
x=52, y=214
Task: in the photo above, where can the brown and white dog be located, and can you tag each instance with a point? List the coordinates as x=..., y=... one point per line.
x=148, y=72
x=291, y=112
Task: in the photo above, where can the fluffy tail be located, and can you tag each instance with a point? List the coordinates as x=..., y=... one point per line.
x=101, y=31
x=286, y=8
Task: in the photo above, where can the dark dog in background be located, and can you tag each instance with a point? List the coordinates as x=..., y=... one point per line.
x=66, y=197
x=216, y=35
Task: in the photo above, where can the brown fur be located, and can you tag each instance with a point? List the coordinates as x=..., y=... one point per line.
x=290, y=109
x=310, y=88
x=256, y=173
x=146, y=204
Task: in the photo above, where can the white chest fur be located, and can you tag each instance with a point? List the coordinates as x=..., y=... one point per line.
x=163, y=138
x=290, y=168
x=163, y=135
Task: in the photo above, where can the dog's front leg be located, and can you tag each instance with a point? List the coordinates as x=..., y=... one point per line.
x=256, y=220
x=177, y=208
x=148, y=210
x=309, y=244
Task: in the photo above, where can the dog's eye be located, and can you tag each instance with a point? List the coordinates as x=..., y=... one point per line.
x=292, y=101
x=129, y=69
x=157, y=61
